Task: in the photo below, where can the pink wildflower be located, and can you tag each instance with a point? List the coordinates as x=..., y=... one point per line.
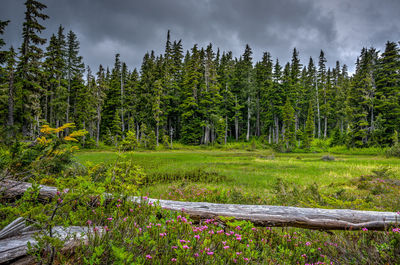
x=89, y=222
x=308, y=243
x=365, y=229
x=174, y=247
x=210, y=253
x=226, y=247
x=173, y=259
x=185, y=247
x=197, y=236
x=148, y=257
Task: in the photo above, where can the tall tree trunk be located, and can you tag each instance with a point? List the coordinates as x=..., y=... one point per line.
x=258, y=129
x=248, y=119
x=68, y=97
x=11, y=100
x=318, y=112
x=325, y=126
x=236, y=127
x=98, y=125
x=276, y=129
x=157, y=127
x=122, y=108
x=269, y=135
x=137, y=132
x=226, y=129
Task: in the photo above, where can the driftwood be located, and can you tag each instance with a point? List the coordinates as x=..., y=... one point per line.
x=14, y=250
x=261, y=215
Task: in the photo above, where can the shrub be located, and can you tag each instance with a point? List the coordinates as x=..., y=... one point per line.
x=130, y=142
x=393, y=151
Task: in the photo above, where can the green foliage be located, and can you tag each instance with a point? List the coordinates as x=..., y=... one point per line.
x=123, y=177
x=151, y=140
x=309, y=130
x=289, y=125
x=165, y=142
x=130, y=142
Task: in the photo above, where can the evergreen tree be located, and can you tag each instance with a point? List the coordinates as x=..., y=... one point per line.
x=29, y=68
x=3, y=54
x=191, y=116
x=310, y=127
x=388, y=92
x=74, y=69
x=288, y=125
x=359, y=99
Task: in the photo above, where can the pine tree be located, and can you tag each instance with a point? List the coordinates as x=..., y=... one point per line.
x=99, y=95
x=191, y=116
x=75, y=69
x=29, y=67
x=321, y=96
x=310, y=127
x=388, y=92
x=116, y=130
x=3, y=54
x=288, y=125
x=359, y=99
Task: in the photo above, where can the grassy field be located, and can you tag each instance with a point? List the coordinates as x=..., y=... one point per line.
x=253, y=172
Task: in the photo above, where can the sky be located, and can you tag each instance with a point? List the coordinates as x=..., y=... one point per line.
x=132, y=27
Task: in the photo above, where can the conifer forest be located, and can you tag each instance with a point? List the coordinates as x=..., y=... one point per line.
x=200, y=96
x=198, y=154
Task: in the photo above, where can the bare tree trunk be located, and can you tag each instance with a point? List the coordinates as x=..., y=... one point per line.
x=68, y=97
x=318, y=112
x=277, y=129
x=11, y=100
x=258, y=129
x=325, y=126
x=226, y=129
x=137, y=132
x=157, y=127
x=248, y=119
x=122, y=108
x=269, y=135
x=98, y=125
x=236, y=128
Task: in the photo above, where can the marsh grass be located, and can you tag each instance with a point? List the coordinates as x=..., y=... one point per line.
x=257, y=173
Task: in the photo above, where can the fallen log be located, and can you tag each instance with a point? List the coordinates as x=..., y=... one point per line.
x=260, y=215
x=14, y=250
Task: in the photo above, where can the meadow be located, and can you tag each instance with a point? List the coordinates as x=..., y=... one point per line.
x=260, y=176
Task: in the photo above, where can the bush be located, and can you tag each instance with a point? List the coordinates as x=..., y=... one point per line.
x=130, y=142
x=393, y=151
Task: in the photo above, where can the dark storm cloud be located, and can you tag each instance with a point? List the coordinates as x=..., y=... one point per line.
x=105, y=27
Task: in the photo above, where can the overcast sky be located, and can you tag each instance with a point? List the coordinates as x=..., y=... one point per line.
x=131, y=27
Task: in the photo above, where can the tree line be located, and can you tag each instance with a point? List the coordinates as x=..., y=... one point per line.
x=201, y=96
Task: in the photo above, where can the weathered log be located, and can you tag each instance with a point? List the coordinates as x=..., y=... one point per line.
x=260, y=215
x=12, y=189
x=281, y=216
x=14, y=248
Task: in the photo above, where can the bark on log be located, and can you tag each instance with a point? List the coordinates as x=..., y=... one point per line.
x=261, y=215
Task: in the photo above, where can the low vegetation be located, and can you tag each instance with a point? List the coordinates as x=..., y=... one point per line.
x=123, y=232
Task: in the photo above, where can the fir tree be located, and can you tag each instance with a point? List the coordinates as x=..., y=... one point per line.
x=288, y=125
x=309, y=129
x=29, y=67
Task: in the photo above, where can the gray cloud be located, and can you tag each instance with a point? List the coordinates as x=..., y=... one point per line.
x=104, y=27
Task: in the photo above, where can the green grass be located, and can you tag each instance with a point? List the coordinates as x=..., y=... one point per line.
x=253, y=171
